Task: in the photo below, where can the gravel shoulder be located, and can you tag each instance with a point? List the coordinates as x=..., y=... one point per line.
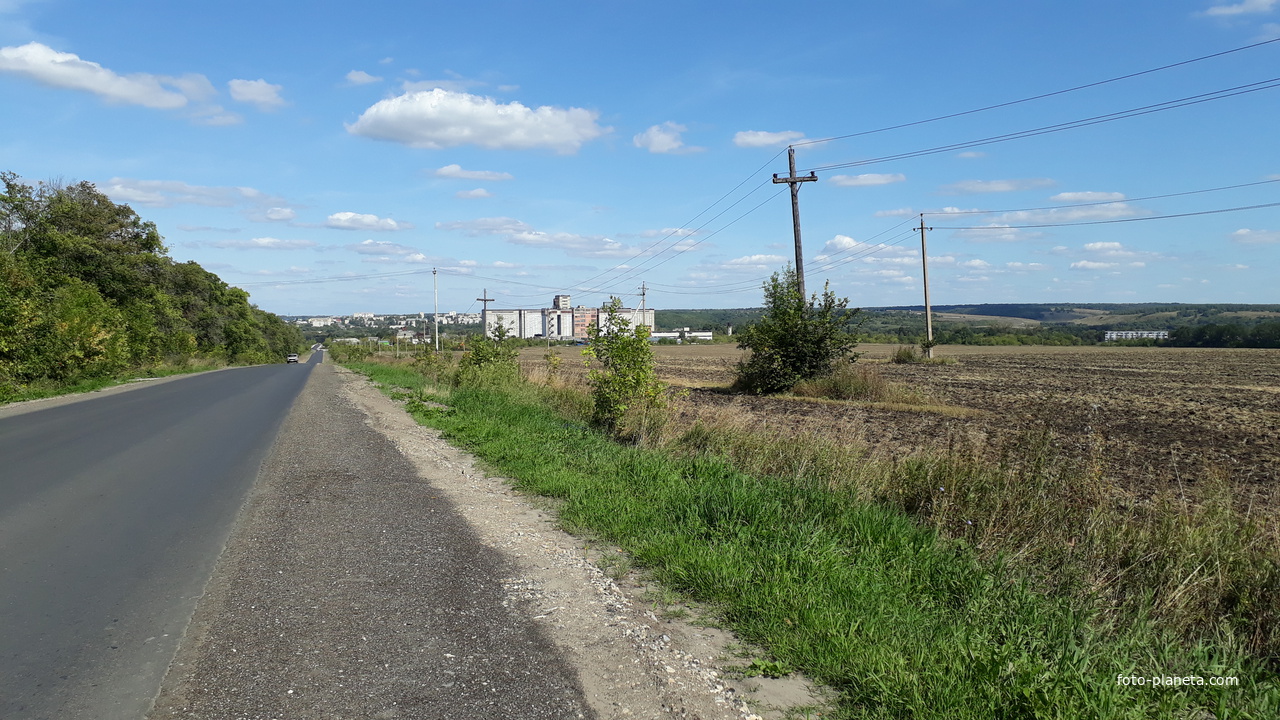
x=378, y=572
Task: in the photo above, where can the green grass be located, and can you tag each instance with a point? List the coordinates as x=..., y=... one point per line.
x=42, y=389
x=859, y=595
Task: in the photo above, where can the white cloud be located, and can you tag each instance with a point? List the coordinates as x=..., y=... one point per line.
x=360, y=77
x=1101, y=246
x=867, y=179
x=760, y=138
x=1256, y=237
x=277, y=214
x=1026, y=266
x=168, y=193
x=975, y=264
x=996, y=233
x=381, y=248
x=846, y=247
x=1247, y=7
x=900, y=212
x=971, y=154
x=66, y=70
x=257, y=92
x=1092, y=265
x=473, y=194
x=1108, y=211
x=456, y=172
x=357, y=221
x=968, y=187
x=664, y=139
x=755, y=261
x=264, y=243
x=1088, y=196
x=440, y=118
x=521, y=233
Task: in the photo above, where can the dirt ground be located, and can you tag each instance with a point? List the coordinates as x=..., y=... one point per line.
x=1152, y=417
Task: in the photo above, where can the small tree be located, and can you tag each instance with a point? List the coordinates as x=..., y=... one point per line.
x=490, y=361
x=627, y=377
x=796, y=339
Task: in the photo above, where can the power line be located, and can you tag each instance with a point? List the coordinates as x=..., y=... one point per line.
x=1038, y=97
x=1111, y=222
x=1072, y=125
x=1107, y=202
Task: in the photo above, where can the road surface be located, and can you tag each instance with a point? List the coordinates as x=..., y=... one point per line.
x=113, y=511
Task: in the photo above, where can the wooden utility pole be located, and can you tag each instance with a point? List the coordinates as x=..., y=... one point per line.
x=928, y=310
x=484, y=314
x=794, y=182
x=435, y=315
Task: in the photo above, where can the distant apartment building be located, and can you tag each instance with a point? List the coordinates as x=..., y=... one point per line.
x=1135, y=335
x=559, y=321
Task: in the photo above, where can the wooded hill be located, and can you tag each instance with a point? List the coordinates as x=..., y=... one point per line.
x=1208, y=325
x=87, y=290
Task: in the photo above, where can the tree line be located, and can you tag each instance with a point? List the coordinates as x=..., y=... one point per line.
x=87, y=289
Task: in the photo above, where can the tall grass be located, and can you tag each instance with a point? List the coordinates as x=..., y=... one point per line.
x=934, y=586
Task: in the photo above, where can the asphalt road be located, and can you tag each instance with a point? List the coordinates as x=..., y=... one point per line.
x=113, y=511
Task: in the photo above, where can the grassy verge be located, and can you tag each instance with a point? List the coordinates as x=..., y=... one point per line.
x=864, y=591
x=46, y=389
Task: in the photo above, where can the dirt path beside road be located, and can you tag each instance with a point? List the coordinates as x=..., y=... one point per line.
x=377, y=573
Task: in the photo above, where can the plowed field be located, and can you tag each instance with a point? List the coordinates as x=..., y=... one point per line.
x=1150, y=418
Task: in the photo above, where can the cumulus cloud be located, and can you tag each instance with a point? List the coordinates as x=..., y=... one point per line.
x=264, y=243
x=259, y=93
x=844, y=247
x=358, y=221
x=996, y=232
x=456, y=172
x=1019, y=266
x=761, y=138
x=975, y=264
x=66, y=70
x=1088, y=196
x=473, y=194
x=1256, y=237
x=755, y=262
x=441, y=118
x=969, y=187
x=1247, y=7
x=360, y=77
x=664, y=139
x=867, y=179
x=279, y=214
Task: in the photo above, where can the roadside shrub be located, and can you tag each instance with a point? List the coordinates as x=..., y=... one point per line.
x=905, y=355
x=797, y=338
x=627, y=377
x=849, y=382
x=489, y=362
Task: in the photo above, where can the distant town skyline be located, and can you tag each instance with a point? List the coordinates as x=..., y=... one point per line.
x=336, y=156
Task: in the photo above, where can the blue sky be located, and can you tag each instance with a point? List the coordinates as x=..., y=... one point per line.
x=530, y=149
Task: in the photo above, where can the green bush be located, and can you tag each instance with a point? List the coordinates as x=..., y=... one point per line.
x=627, y=377
x=796, y=339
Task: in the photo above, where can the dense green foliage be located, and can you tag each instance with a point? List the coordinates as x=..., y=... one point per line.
x=1262, y=335
x=87, y=290
x=627, y=376
x=796, y=339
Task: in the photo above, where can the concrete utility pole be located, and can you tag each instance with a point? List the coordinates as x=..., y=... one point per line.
x=435, y=315
x=642, y=292
x=794, y=182
x=928, y=310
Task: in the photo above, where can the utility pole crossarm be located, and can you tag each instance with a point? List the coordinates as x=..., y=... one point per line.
x=794, y=181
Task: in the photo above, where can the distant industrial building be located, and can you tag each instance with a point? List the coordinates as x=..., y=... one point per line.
x=560, y=321
x=1136, y=335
